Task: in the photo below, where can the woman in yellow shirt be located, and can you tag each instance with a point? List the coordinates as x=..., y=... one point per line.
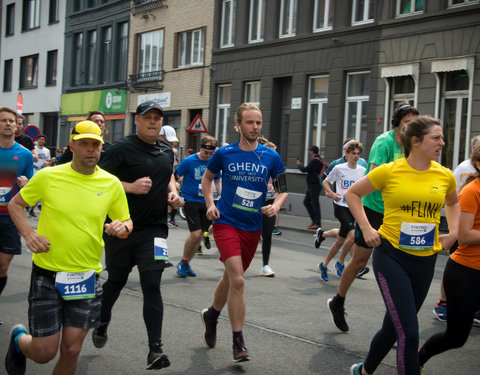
x=414, y=190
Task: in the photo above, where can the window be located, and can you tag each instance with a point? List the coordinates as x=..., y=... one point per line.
x=317, y=112
x=403, y=90
x=29, y=72
x=223, y=112
x=122, y=51
x=257, y=21
x=10, y=20
x=31, y=14
x=7, y=75
x=190, y=48
x=455, y=3
x=150, y=52
x=362, y=12
x=228, y=23
x=356, y=106
x=323, y=15
x=77, y=59
x=77, y=5
x=252, y=93
x=409, y=7
x=288, y=18
x=51, y=68
x=91, y=56
x=106, y=62
x=53, y=11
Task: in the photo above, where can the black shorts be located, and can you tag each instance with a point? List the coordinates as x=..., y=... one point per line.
x=138, y=249
x=375, y=219
x=346, y=219
x=196, y=215
x=9, y=236
x=48, y=311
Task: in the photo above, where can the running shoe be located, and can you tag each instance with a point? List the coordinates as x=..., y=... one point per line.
x=32, y=213
x=267, y=271
x=323, y=271
x=188, y=270
x=276, y=231
x=199, y=250
x=1, y=321
x=440, y=311
x=356, y=369
x=206, y=240
x=362, y=272
x=318, y=238
x=173, y=223
x=339, y=267
x=240, y=352
x=157, y=359
x=476, y=319
x=15, y=361
x=181, y=272
x=338, y=315
x=100, y=336
x=209, y=330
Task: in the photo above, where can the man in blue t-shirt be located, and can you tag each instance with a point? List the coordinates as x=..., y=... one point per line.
x=16, y=167
x=246, y=168
x=191, y=170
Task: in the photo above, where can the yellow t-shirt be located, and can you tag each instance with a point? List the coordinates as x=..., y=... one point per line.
x=74, y=208
x=412, y=197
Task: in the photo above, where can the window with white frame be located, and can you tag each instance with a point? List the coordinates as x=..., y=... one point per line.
x=409, y=7
x=403, y=90
x=150, y=53
x=227, y=34
x=223, y=112
x=454, y=106
x=252, y=92
x=317, y=112
x=288, y=18
x=106, y=59
x=257, y=21
x=29, y=72
x=323, y=15
x=190, y=48
x=356, y=106
x=31, y=14
x=457, y=3
x=362, y=12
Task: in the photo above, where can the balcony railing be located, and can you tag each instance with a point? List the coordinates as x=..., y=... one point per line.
x=147, y=81
x=142, y=6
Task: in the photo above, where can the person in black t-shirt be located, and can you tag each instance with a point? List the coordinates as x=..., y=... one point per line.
x=24, y=139
x=314, y=168
x=144, y=165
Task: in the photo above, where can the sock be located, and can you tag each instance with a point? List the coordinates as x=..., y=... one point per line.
x=339, y=300
x=184, y=260
x=15, y=340
x=212, y=314
x=238, y=337
x=3, y=282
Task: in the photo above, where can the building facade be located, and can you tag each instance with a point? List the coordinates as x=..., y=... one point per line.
x=170, y=62
x=31, y=50
x=95, y=64
x=325, y=70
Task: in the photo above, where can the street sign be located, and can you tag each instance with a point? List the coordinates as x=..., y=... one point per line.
x=19, y=103
x=32, y=131
x=197, y=125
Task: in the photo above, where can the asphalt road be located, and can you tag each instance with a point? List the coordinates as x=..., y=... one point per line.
x=287, y=330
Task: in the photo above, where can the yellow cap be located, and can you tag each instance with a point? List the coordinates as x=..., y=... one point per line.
x=86, y=129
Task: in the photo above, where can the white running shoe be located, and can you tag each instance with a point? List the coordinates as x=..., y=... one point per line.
x=267, y=271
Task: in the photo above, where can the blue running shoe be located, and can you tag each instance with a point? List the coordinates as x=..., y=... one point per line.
x=181, y=271
x=440, y=311
x=188, y=270
x=356, y=369
x=339, y=267
x=277, y=232
x=323, y=271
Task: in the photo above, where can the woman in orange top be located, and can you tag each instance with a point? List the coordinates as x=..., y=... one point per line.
x=462, y=272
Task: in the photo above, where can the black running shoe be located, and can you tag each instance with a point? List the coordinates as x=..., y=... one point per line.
x=15, y=362
x=206, y=240
x=240, y=352
x=362, y=272
x=209, y=330
x=157, y=359
x=100, y=336
x=338, y=315
x=318, y=237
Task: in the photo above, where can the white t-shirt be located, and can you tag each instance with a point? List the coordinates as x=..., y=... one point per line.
x=464, y=166
x=43, y=157
x=343, y=176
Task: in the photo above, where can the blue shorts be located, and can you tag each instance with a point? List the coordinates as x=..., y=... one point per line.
x=9, y=236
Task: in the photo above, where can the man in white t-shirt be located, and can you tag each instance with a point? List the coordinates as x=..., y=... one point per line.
x=44, y=159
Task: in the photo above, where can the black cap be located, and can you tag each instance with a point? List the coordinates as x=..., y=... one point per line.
x=147, y=106
x=314, y=149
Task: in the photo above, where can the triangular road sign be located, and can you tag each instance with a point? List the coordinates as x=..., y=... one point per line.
x=197, y=125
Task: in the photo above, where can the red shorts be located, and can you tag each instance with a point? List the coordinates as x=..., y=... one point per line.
x=231, y=241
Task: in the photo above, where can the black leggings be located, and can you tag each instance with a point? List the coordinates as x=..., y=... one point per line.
x=404, y=281
x=267, y=228
x=152, y=301
x=462, y=287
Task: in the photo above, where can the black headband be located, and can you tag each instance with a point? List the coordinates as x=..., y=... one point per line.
x=208, y=147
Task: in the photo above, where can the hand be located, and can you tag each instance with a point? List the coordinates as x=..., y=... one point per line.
x=213, y=213
x=141, y=186
x=22, y=181
x=298, y=162
x=447, y=240
x=116, y=228
x=337, y=197
x=371, y=237
x=37, y=243
x=174, y=200
x=269, y=210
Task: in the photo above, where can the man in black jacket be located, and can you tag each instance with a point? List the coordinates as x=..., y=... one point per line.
x=314, y=169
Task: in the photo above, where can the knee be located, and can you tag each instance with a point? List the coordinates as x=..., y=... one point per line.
x=340, y=241
x=237, y=283
x=196, y=235
x=71, y=351
x=45, y=354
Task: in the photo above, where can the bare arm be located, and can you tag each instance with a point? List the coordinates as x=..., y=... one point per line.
x=452, y=212
x=173, y=197
x=207, y=188
x=35, y=242
x=272, y=209
x=329, y=192
x=140, y=186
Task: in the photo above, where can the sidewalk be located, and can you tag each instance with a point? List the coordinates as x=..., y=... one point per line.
x=300, y=223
